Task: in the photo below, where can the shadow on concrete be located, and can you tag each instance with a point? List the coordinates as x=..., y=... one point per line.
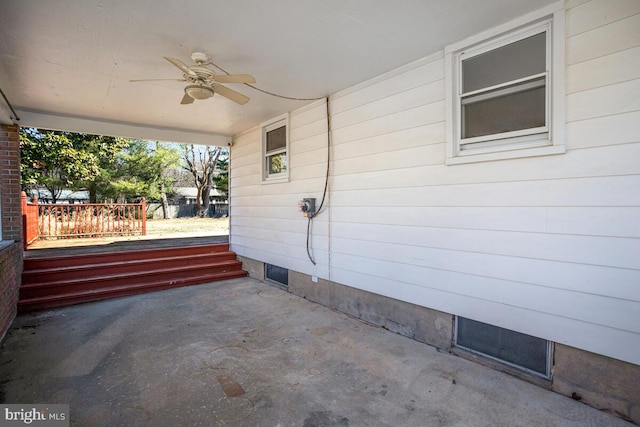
x=243, y=353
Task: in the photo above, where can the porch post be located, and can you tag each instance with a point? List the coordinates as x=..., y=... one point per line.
x=25, y=219
x=144, y=216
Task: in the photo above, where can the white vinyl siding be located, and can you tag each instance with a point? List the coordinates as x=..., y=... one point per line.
x=265, y=222
x=547, y=246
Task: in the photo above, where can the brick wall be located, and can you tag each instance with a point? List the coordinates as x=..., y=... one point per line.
x=10, y=274
x=10, y=209
x=10, y=183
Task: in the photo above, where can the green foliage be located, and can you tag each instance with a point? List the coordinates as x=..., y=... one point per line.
x=141, y=172
x=277, y=163
x=110, y=168
x=107, y=149
x=55, y=161
x=221, y=180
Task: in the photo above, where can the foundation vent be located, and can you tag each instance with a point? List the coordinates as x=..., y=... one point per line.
x=519, y=350
x=276, y=274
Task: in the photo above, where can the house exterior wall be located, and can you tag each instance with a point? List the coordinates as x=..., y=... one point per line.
x=11, y=218
x=264, y=221
x=546, y=246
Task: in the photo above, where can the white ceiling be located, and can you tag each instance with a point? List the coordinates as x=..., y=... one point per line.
x=67, y=63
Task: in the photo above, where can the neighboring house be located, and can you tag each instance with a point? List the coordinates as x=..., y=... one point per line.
x=496, y=181
x=187, y=195
x=183, y=204
x=65, y=196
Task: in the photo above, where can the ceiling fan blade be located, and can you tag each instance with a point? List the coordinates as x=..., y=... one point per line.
x=186, y=99
x=234, y=78
x=231, y=94
x=157, y=80
x=181, y=65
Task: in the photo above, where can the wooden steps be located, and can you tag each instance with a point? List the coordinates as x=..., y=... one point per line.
x=60, y=280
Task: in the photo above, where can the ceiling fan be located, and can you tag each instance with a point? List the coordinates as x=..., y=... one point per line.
x=204, y=82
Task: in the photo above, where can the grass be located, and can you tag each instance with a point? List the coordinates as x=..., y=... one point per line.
x=194, y=226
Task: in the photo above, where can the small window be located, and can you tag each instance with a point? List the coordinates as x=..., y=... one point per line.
x=506, y=94
x=275, y=142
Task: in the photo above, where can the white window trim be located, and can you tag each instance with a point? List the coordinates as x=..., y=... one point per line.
x=266, y=127
x=527, y=144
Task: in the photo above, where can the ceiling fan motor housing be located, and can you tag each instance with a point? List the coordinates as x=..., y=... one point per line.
x=199, y=57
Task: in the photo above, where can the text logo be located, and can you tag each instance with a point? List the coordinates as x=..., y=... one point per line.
x=40, y=415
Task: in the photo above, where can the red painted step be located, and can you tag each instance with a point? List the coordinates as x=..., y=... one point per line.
x=58, y=281
x=40, y=262
x=89, y=282
x=71, y=272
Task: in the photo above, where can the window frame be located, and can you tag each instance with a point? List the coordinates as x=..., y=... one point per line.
x=545, y=140
x=268, y=127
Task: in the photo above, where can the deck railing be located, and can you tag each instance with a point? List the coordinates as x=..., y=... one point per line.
x=61, y=220
x=29, y=220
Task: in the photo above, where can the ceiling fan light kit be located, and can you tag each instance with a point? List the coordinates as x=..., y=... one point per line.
x=199, y=92
x=204, y=82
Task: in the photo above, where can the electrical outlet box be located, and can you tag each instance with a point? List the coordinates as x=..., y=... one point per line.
x=308, y=207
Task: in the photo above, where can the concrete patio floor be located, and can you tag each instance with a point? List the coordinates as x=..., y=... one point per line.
x=244, y=353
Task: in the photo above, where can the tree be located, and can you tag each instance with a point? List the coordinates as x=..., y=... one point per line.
x=109, y=167
x=108, y=150
x=142, y=172
x=202, y=164
x=221, y=180
x=180, y=176
x=54, y=161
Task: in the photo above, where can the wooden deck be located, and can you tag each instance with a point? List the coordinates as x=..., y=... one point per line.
x=48, y=248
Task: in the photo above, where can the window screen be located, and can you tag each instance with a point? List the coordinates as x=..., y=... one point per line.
x=511, y=62
x=509, y=346
x=504, y=93
x=277, y=139
x=506, y=113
